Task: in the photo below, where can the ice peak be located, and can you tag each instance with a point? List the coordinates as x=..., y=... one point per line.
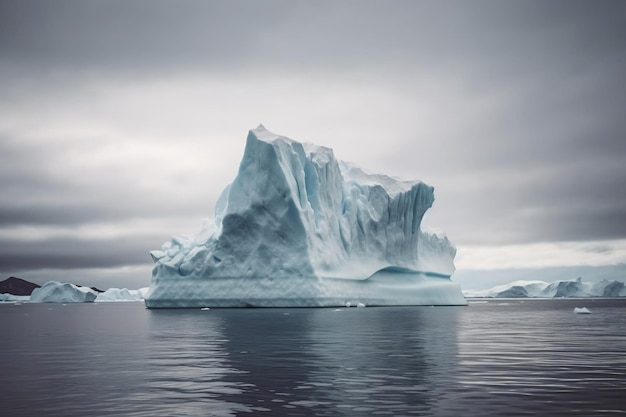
x=350, y=171
x=261, y=133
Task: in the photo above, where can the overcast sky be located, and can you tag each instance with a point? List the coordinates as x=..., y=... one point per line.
x=122, y=121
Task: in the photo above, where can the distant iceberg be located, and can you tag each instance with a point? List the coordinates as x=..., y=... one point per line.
x=13, y=298
x=121, y=294
x=298, y=227
x=58, y=292
x=63, y=292
x=558, y=289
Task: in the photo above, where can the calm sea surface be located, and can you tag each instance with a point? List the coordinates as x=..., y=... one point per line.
x=498, y=358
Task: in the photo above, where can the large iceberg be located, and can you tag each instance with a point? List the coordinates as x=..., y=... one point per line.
x=299, y=228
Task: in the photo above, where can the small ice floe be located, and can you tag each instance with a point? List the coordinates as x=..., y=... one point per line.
x=338, y=309
x=581, y=310
x=360, y=305
x=205, y=308
x=348, y=304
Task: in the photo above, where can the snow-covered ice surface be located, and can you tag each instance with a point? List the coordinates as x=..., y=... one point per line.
x=120, y=294
x=540, y=289
x=58, y=292
x=299, y=228
x=13, y=298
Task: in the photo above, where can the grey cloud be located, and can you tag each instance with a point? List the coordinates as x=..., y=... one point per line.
x=34, y=193
x=30, y=201
x=74, y=253
x=519, y=206
x=71, y=214
x=590, y=222
x=528, y=100
x=545, y=162
x=599, y=249
x=120, y=35
x=486, y=40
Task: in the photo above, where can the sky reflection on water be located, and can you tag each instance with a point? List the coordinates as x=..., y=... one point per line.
x=501, y=357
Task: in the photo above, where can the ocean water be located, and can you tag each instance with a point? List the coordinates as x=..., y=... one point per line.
x=491, y=358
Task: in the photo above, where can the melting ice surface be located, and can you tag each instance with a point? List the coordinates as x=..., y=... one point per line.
x=297, y=228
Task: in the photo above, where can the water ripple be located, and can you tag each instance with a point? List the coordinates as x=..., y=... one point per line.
x=492, y=358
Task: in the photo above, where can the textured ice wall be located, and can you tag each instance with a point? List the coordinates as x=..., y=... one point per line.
x=62, y=292
x=297, y=227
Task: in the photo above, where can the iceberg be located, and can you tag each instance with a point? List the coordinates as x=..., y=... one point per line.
x=57, y=292
x=557, y=289
x=299, y=228
x=120, y=294
x=6, y=297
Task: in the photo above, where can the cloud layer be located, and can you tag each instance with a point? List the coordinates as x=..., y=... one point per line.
x=122, y=121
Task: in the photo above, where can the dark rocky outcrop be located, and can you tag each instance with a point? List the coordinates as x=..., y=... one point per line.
x=17, y=286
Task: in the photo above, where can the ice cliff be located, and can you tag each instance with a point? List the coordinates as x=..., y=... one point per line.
x=298, y=227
